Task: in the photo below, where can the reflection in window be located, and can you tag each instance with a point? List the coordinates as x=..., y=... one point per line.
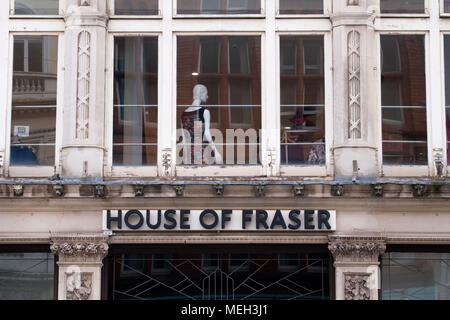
x=135, y=101
x=447, y=91
x=219, y=6
x=219, y=87
x=36, y=6
x=136, y=7
x=133, y=264
x=403, y=100
x=447, y=6
x=26, y=276
x=33, y=124
x=288, y=261
x=415, y=276
x=211, y=261
x=301, y=7
x=302, y=100
x=402, y=6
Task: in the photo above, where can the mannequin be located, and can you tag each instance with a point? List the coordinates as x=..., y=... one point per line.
x=196, y=113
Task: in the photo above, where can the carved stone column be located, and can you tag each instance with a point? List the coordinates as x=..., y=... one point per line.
x=80, y=264
x=82, y=153
x=356, y=261
x=355, y=100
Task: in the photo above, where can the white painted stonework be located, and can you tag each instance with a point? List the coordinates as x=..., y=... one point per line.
x=31, y=212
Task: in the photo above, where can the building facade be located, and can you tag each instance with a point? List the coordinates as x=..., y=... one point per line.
x=221, y=149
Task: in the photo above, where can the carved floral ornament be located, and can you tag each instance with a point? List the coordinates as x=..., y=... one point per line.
x=78, y=285
x=356, y=287
x=80, y=248
x=356, y=249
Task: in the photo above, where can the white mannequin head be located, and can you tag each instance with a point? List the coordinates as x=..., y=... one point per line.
x=200, y=93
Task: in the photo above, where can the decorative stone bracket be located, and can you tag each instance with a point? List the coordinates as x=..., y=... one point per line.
x=356, y=249
x=80, y=263
x=357, y=266
x=80, y=248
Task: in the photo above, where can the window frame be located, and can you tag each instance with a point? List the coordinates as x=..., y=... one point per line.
x=111, y=12
x=176, y=15
x=305, y=169
x=219, y=170
x=61, y=10
x=36, y=171
x=406, y=170
x=110, y=169
x=425, y=14
x=443, y=33
x=327, y=10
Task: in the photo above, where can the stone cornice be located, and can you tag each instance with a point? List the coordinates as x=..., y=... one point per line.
x=80, y=248
x=356, y=248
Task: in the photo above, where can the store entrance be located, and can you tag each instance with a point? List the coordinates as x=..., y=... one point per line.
x=234, y=272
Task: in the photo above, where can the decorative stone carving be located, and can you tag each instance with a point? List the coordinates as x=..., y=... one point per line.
x=418, y=190
x=271, y=160
x=83, y=84
x=338, y=190
x=378, y=190
x=438, y=162
x=356, y=287
x=2, y=161
x=80, y=248
x=259, y=190
x=299, y=190
x=179, y=190
x=356, y=249
x=18, y=190
x=139, y=190
x=354, y=84
x=78, y=285
x=167, y=162
x=219, y=188
x=85, y=3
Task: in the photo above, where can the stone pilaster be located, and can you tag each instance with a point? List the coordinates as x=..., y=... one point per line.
x=355, y=100
x=80, y=264
x=84, y=106
x=356, y=261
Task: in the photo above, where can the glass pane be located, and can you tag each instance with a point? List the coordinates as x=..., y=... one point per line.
x=136, y=7
x=219, y=7
x=402, y=6
x=33, y=124
x=135, y=101
x=235, y=274
x=446, y=6
x=219, y=86
x=403, y=98
x=301, y=6
x=302, y=101
x=415, y=276
x=36, y=6
x=26, y=276
x=447, y=89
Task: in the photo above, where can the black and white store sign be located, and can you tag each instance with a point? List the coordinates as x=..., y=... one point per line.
x=226, y=220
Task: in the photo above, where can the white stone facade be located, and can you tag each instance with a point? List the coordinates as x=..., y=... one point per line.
x=380, y=206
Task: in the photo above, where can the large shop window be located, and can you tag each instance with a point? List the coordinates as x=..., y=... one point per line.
x=135, y=101
x=218, y=100
x=219, y=7
x=447, y=92
x=212, y=273
x=33, y=124
x=403, y=100
x=415, y=276
x=38, y=7
x=301, y=7
x=27, y=276
x=136, y=7
x=302, y=100
x=402, y=6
